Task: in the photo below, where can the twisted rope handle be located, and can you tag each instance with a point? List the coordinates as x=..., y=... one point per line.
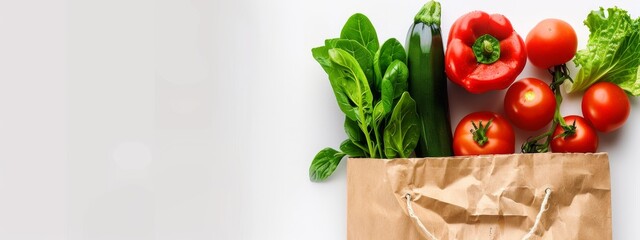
x=543, y=208
x=416, y=219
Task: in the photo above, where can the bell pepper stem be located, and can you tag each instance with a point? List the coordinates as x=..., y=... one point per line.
x=486, y=48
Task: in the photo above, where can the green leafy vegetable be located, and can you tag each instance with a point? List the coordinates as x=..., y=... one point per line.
x=402, y=133
x=360, y=29
x=321, y=54
x=359, y=52
x=394, y=83
x=352, y=81
x=352, y=130
x=351, y=149
x=354, y=84
x=370, y=85
x=391, y=50
x=355, y=134
x=612, y=53
x=324, y=164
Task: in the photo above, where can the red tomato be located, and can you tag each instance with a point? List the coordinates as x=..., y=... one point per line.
x=606, y=106
x=496, y=137
x=530, y=104
x=584, y=140
x=551, y=42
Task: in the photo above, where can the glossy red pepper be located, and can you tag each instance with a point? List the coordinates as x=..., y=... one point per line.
x=484, y=53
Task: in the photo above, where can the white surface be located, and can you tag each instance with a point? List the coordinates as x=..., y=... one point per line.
x=175, y=119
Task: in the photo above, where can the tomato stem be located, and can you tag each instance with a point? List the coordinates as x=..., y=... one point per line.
x=480, y=132
x=560, y=74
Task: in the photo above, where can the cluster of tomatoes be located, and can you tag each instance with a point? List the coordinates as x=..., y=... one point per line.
x=531, y=104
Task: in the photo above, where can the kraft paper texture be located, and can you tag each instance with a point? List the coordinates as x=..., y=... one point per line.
x=480, y=197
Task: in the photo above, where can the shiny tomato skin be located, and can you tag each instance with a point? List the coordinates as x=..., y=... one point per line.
x=551, y=42
x=500, y=134
x=606, y=106
x=583, y=141
x=529, y=104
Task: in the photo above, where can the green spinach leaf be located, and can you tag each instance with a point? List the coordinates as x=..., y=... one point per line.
x=324, y=164
x=351, y=149
x=369, y=83
x=321, y=54
x=390, y=51
x=331, y=42
x=394, y=83
x=359, y=52
x=357, y=137
x=403, y=130
x=352, y=129
x=352, y=82
x=360, y=29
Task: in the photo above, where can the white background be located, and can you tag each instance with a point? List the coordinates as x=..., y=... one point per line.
x=178, y=119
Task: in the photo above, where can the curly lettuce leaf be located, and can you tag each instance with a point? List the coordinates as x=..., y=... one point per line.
x=612, y=53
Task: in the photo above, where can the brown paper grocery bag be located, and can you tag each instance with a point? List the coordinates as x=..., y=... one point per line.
x=519, y=196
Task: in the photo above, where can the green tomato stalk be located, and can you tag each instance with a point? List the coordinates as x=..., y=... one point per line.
x=560, y=74
x=480, y=132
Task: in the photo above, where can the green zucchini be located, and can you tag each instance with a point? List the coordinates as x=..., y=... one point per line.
x=428, y=82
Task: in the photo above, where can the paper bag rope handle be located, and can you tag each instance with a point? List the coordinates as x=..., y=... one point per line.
x=543, y=208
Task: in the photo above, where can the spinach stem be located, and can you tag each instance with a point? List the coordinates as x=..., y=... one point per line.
x=372, y=150
x=378, y=144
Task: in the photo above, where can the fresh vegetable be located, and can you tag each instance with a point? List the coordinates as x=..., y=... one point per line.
x=391, y=50
x=551, y=42
x=483, y=133
x=612, y=53
x=324, y=164
x=427, y=82
x=359, y=28
x=605, y=106
x=370, y=86
x=402, y=133
x=583, y=139
x=549, y=34
x=484, y=52
x=560, y=74
x=529, y=104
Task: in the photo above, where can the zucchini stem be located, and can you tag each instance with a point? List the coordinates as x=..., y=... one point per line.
x=429, y=13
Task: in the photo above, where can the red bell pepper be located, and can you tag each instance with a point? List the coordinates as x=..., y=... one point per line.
x=484, y=52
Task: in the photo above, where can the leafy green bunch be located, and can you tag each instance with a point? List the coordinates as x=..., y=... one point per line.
x=612, y=53
x=370, y=85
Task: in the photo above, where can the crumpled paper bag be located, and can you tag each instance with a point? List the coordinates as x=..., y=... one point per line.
x=480, y=197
